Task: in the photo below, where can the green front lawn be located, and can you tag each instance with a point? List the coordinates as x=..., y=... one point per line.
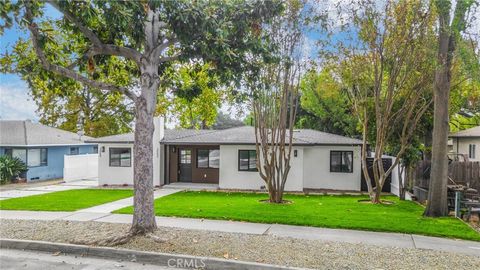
x=315, y=210
x=68, y=200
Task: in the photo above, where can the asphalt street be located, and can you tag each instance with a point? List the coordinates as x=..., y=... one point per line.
x=17, y=259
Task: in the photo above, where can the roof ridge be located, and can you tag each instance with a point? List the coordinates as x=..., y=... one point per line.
x=191, y=135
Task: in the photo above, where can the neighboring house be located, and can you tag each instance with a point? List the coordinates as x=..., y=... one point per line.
x=467, y=142
x=227, y=157
x=41, y=147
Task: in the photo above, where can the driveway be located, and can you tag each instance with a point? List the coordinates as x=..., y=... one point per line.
x=22, y=190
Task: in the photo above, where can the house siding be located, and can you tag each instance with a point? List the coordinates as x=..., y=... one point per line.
x=461, y=146
x=317, y=173
x=54, y=168
x=232, y=178
x=123, y=175
x=114, y=175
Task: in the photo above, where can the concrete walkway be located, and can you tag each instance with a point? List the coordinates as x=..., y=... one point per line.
x=301, y=232
x=26, y=190
x=112, y=206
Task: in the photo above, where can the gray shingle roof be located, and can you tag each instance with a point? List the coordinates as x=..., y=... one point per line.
x=237, y=135
x=170, y=134
x=120, y=138
x=25, y=133
x=471, y=132
x=246, y=135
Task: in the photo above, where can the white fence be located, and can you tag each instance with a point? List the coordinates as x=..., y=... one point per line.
x=77, y=167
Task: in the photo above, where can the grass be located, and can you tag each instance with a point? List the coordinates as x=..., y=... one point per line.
x=68, y=200
x=331, y=211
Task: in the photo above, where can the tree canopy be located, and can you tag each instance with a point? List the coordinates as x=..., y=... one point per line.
x=143, y=39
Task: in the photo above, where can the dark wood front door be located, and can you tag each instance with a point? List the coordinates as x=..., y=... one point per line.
x=185, y=165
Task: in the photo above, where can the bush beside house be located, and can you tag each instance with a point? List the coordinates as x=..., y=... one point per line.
x=10, y=168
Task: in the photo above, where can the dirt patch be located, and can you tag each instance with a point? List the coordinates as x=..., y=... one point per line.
x=386, y=202
x=283, y=202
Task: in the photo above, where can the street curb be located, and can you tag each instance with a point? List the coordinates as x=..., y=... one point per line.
x=160, y=259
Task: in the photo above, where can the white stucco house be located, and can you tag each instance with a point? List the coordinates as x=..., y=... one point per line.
x=227, y=158
x=467, y=142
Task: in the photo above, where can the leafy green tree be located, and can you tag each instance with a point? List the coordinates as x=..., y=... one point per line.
x=197, y=97
x=325, y=105
x=225, y=121
x=64, y=102
x=274, y=99
x=388, y=76
x=148, y=36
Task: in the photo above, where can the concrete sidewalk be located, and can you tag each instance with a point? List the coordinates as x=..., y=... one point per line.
x=26, y=190
x=112, y=206
x=310, y=233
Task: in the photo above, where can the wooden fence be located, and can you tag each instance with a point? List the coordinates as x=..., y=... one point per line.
x=465, y=173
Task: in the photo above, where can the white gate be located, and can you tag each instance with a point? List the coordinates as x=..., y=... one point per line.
x=78, y=167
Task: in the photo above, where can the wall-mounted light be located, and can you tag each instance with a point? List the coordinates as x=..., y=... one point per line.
x=173, y=149
x=103, y=149
x=295, y=153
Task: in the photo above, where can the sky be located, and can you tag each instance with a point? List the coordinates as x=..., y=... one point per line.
x=16, y=103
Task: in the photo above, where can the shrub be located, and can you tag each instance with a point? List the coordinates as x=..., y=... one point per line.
x=10, y=167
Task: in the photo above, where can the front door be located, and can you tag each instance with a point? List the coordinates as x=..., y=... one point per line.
x=185, y=165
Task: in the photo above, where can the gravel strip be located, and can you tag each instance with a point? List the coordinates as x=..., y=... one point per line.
x=257, y=248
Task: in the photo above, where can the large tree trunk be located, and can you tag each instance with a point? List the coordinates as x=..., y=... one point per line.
x=437, y=195
x=144, y=214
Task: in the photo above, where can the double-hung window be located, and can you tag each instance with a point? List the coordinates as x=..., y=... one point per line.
x=208, y=158
x=341, y=161
x=37, y=157
x=120, y=157
x=247, y=160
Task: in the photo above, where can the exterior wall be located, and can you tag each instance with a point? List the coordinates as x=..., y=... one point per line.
x=124, y=175
x=460, y=146
x=77, y=167
x=232, y=178
x=113, y=175
x=55, y=161
x=316, y=169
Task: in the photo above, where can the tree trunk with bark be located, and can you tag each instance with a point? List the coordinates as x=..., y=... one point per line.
x=144, y=214
x=437, y=193
x=449, y=32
